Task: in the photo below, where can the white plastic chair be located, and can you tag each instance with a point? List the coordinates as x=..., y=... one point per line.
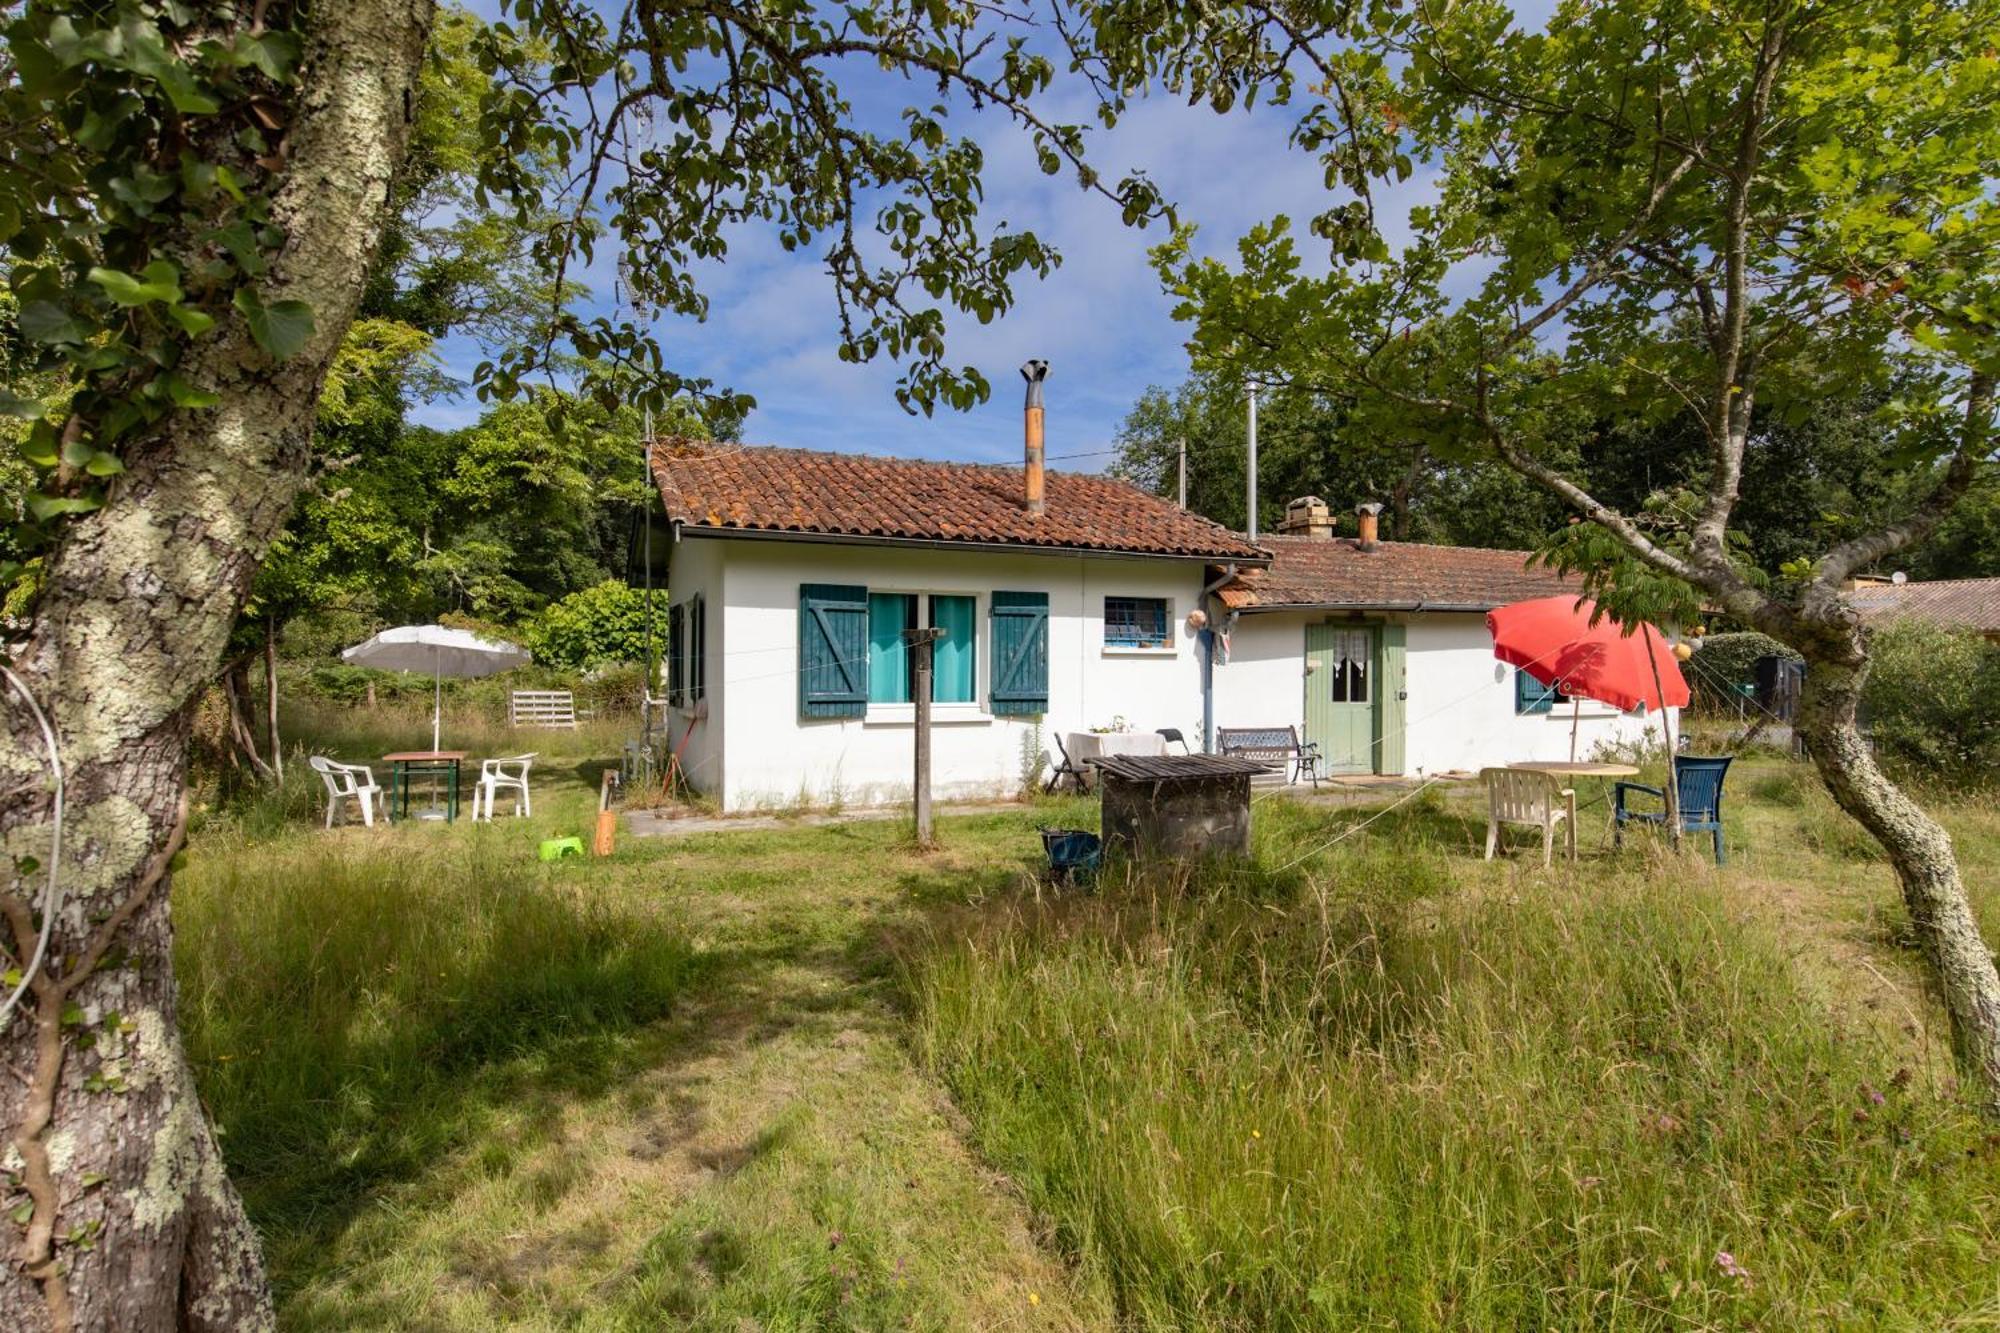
x=496, y=775
x=344, y=781
x=1527, y=797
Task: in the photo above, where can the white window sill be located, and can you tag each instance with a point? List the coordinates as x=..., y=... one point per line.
x=942, y=715
x=1133, y=650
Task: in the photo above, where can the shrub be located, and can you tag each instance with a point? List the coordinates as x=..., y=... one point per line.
x=596, y=627
x=1933, y=700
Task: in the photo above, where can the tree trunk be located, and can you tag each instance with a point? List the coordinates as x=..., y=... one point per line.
x=242, y=731
x=133, y=1225
x=1961, y=964
x=271, y=699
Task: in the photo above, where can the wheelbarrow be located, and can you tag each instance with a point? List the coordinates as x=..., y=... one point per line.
x=1072, y=851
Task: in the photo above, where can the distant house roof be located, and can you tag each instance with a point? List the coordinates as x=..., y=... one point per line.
x=730, y=489
x=1958, y=603
x=1335, y=573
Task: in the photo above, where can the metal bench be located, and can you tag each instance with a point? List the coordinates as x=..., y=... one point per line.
x=1272, y=745
x=542, y=708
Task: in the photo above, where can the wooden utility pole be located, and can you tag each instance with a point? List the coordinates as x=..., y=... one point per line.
x=1183, y=488
x=921, y=642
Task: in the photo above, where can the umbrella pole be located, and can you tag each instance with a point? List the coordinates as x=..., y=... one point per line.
x=1575, y=717
x=437, y=706
x=1673, y=791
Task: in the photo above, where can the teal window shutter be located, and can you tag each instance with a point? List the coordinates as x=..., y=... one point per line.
x=677, y=654
x=889, y=614
x=952, y=657
x=833, y=650
x=1531, y=696
x=1020, y=653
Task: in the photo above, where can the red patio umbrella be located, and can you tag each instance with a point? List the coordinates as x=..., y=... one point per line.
x=1552, y=639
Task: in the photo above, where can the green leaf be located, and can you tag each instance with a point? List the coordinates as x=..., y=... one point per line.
x=103, y=464
x=39, y=447
x=275, y=53
x=193, y=322
x=281, y=328
x=159, y=281
x=47, y=322
x=188, y=395
x=27, y=409
x=46, y=507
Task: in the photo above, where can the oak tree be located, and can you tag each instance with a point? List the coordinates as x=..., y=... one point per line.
x=1637, y=210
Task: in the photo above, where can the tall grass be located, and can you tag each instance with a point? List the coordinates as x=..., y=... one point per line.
x=357, y=1005
x=1604, y=1101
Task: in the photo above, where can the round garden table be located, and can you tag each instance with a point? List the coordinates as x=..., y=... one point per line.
x=434, y=764
x=1580, y=768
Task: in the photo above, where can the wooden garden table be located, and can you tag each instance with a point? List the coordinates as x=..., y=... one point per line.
x=435, y=764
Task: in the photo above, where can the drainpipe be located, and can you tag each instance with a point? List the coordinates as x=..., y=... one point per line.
x=1206, y=637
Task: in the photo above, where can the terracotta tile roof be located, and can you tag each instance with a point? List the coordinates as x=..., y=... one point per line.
x=1960, y=603
x=1336, y=572
x=728, y=487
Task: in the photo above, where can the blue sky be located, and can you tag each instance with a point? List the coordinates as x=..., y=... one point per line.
x=1100, y=319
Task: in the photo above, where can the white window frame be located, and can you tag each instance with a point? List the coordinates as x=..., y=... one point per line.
x=975, y=712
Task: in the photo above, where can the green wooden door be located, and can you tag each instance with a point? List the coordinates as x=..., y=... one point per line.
x=1341, y=692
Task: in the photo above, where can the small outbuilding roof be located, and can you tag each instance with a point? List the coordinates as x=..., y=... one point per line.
x=732, y=489
x=1972, y=604
x=1339, y=573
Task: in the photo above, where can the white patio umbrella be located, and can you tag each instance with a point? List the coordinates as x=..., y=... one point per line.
x=438, y=650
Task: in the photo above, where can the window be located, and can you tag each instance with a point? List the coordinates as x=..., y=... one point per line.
x=1353, y=653
x=954, y=658
x=889, y=614
x=687, y=652
x=853, y=658
x=1136, y=622
x=1531, y=696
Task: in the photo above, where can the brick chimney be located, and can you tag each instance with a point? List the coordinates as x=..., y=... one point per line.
x=1034, y=372
x=1365, y=520
x=1307, y=516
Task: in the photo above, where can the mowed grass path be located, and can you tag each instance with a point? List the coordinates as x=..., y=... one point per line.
x=667, y=1089
x=764, y=1079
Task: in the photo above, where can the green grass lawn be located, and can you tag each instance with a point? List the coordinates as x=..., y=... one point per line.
x=811, y=1078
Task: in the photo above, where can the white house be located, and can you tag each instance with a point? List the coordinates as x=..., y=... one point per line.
x=793, y=575
x=1379, y=652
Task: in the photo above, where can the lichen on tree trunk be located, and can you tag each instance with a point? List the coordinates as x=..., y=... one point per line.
x=132, y=1223
x=1926, y=866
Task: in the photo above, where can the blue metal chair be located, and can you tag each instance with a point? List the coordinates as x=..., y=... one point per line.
x=1699, y=785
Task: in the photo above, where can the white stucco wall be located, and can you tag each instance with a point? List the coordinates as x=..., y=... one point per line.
x=754, y=750
x=696, y=567
x=1460, y=711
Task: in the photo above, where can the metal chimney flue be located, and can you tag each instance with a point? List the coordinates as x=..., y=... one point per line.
x=1034, y=372
x=1366, y=518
